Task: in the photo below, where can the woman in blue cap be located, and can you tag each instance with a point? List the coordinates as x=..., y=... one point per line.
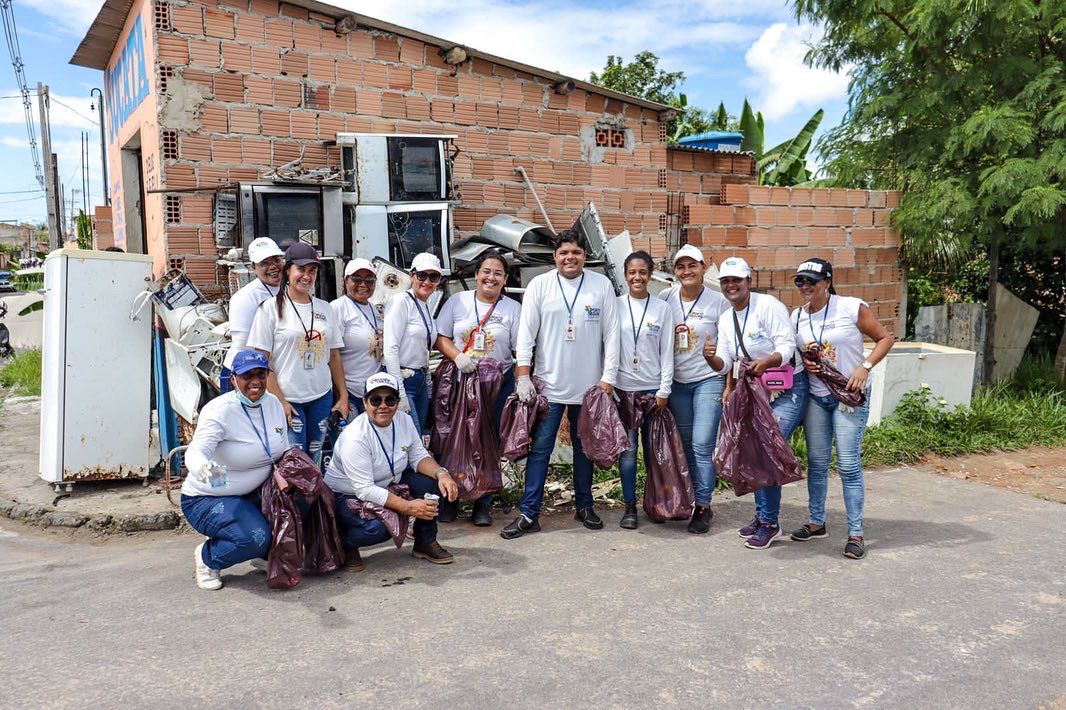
x=239, y=436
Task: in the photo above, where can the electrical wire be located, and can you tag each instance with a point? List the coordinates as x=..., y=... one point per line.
x=51, y=97
x=12, y=37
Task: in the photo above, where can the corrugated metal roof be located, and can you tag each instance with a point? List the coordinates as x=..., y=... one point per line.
x=96, y=47
x=712, y=136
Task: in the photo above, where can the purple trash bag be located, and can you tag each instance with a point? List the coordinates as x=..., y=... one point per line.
x=834, y=380
x=518, y=422
x=668, y=493
x=603, y=437
x=396, y=523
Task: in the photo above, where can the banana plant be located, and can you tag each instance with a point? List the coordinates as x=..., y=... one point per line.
x=784, y=164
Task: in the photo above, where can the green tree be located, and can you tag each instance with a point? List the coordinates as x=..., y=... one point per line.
x=962, y=105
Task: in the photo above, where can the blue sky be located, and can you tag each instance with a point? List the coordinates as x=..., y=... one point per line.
x=729, y=50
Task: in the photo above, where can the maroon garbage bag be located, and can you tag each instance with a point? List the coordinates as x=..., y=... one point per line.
x=394, y=522
x=668, y=493
x=751, y=452
x=834, y=380
x=299, y=544
x=518, y=422
x=464, y=436
x=603, y=437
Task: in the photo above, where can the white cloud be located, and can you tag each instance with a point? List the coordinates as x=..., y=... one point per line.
x=63, y=111
x=73, y=16
x=781, y=81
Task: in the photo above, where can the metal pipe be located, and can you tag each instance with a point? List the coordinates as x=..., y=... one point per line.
x=103, y=148
x=529, y=183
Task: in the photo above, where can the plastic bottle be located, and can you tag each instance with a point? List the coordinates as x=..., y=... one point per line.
x=216, y=474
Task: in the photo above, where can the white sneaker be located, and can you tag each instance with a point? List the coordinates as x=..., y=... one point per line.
x=206, y=578
x=259, y=564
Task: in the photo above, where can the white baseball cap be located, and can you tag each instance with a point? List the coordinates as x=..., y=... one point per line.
x=735, y=267
x=359, y=265
x=691, y=252
x=426, y=262
x=381, y=379
x=263, y=248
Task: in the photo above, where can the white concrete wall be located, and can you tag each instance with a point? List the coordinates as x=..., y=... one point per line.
x=26, y=331
x=947, y=371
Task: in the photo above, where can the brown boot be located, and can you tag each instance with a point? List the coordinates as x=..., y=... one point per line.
x=353, y=562
x=433, y=552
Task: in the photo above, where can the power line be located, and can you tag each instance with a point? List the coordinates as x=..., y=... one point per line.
x=52, y=97
x=12, y=37
x=20, y=192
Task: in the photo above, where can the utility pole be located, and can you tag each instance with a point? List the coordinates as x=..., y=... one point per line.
x=55, y=212
x=85, y=171
x=103, y=147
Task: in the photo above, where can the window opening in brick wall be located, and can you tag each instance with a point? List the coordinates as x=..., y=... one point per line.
x=172, y=209
x=610, y=138
x=662, y=132
x=176, y=264
x=165, y=73
x=162, y=16
x=170, y=145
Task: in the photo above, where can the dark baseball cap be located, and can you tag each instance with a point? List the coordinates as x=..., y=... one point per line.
x=817, y=269
x=302, y=254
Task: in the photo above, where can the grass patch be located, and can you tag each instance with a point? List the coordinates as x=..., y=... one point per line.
x=22, y=374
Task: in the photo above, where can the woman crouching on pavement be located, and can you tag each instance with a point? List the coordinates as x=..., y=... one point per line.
x=378, y=450
x=757, y=329
x=836, y=325
x=239, y=436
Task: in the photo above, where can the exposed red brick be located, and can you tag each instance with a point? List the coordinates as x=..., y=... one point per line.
x=279, y=33
x=266, y=61
x=375, y=75
x=412, y=52
x=386, y=48
x=307, y=36
x=226, y=150
x=251, y=29
x=196, y=147
x=205, y=53
x=187, y=19
x=399, y=78
x=294, y=64
x=275, y=123
x=213, y=117
x=303, y=124
x=820, y=197
x=288, y=93
x=236, y=57
x=268, y=8
x=229, y=88
x=322, y=69
x=368, y=103
x=289, y=10
x=393, y=105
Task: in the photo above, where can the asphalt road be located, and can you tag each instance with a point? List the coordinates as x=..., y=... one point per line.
x=960, y=602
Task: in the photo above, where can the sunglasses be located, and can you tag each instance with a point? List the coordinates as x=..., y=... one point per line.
x=363, y=281
x=376, y=400
x=431, y=276
x=802, y=281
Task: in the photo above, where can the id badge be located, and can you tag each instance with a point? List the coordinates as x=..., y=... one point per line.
x=736, y=370
x=571, y=332
x=479, y=340
x=635, y=361
x=309, y=360
x=682, y=339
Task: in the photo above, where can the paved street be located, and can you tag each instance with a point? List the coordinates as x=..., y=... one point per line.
x=961, y=602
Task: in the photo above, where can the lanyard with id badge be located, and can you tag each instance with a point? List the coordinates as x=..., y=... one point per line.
x=309, y=334
x=635, y=362
x=571, y=331
x=476, y=338
x=682, y=333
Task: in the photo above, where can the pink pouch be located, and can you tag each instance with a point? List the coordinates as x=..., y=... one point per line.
x=777, y=378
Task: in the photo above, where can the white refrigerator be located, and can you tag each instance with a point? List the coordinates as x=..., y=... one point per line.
x=96, y=371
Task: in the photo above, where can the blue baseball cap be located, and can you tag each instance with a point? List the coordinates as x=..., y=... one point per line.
x=249, y=360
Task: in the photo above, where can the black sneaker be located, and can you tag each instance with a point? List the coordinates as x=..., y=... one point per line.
x=448, y=511
x=520, y=526
x=855, y=549
x=433, y=552
x=810, y=532
x=701, y=519
x=481, y=515
x=588, y=518
x=629, y=519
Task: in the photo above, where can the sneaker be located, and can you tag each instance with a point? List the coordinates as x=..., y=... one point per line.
x=520, y=526
x=481, y=515
x=588, y=518
x=206, y=578
x=433, y=552
x=352, y=561
x=763, y=536
x=701, y=519
x=750, y=529
x=810, y=532
x=629, y=519
x=448, y=511
x=855, y=549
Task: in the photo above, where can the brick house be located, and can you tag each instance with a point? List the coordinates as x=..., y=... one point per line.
x=206, y=94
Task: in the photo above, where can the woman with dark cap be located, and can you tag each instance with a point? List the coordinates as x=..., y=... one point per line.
x=837, y=326
x=301, y=336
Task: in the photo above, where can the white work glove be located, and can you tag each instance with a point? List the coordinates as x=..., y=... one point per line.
x=525, y=389
x=465, y=363
x=405, y=406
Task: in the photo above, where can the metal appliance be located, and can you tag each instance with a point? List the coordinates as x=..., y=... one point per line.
x=399, y=231
x=387, y=168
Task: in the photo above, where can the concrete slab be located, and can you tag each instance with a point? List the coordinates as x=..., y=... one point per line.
x=960, y=603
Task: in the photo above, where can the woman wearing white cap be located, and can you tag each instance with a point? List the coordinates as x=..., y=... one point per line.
x=757, y=329
x=361, y=323
x=301, y=336
x=378, y=450
x=696, y=396
x=475, y=325
x=267, y=262
x=409, y=335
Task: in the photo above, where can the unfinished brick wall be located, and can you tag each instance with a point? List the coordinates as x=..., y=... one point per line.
x=103, y=230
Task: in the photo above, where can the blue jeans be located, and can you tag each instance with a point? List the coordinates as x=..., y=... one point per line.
x=697, y=408
x=313, y=415
x=355, y=406
x=356, y=532
x=789, y=409
x=825, y=421
x=417, y=387
x=540, y=453
x=235, y=528
x=225, y=383
x=627, y=462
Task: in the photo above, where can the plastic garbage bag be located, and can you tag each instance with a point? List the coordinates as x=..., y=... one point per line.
x=396, y=523
x=834, y=380
x=464, y=437
x=668, y=493
x=307, y=543
x=603, y=438
x=752, y=453
x=518, y=422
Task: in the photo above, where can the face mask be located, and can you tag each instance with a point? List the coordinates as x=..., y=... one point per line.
x=245, y=401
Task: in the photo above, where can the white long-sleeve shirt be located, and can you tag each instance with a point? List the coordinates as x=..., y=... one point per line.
x=361, y=328
x=287, y=342
x=359, y=466
x=226, y=435
x=406, y=333
x=242, y=308
x=765, y=327
x=569, y=368
x=700, y=317
x=461, y=315
x=653, y=347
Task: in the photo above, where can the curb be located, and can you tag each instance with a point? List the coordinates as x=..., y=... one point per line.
x=46, y=517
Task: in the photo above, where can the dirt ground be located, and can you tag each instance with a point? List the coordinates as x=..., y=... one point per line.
x=1038, y=472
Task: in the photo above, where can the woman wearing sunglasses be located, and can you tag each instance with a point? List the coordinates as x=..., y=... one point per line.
x=836, y=325
x=377, y=451
x=475, y=325
x=756, y=329
x=409, y=335
x=301, y=336
x=361, y=323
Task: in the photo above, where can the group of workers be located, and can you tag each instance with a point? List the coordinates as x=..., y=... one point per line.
x=295, y=359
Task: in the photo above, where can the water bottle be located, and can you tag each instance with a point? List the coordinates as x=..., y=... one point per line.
x=216, y=474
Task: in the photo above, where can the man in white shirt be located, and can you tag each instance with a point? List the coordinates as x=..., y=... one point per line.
x=568, y=315
x=267, y=262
